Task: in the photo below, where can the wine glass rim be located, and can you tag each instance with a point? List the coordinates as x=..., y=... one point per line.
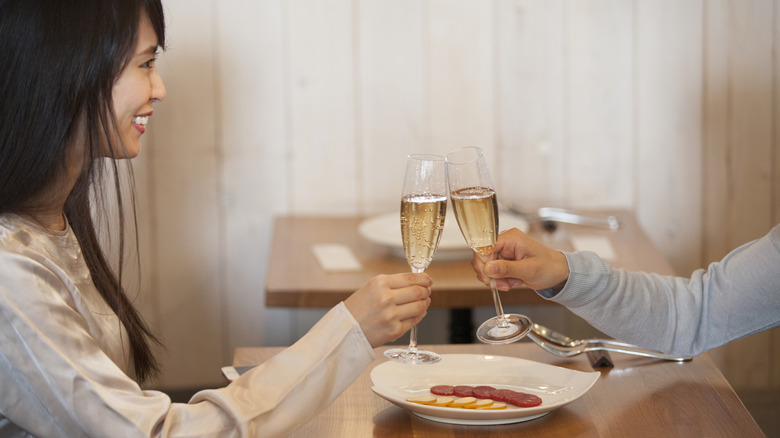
x=476, y=150
x=426, y=157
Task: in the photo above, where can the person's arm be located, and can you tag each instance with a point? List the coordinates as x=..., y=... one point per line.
x=57, y=381
x=301, y=381
x=733, y=298
x=295, y=385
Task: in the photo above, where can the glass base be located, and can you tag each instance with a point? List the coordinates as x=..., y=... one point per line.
x=406, y=355
x=515, y=328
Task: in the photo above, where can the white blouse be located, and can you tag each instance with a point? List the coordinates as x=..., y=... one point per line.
x=66, y=370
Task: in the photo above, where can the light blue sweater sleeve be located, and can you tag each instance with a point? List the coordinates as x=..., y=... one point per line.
x=731, y=299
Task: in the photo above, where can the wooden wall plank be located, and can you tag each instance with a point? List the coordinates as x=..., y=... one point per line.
x=459, y=83
x=599, y=103
x=668, y=127
x=322, y=107
x=738, y=124
x=253, y=139
x=530, y=92
x=716, y=132
x=750, y=108
x=391, y=116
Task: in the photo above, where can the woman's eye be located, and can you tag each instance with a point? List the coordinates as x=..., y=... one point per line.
x=150, y=63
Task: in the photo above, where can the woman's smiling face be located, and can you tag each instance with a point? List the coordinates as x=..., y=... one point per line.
x=137, y=88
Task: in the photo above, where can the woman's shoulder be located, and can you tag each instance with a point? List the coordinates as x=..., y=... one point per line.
x=32, y=258
x=16, y=240
x=24, y=237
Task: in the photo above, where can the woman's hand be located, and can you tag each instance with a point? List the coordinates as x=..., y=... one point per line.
x=389, y=305
x=522, y=261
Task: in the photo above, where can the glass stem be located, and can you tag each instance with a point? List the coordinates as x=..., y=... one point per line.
x=497, y=301
x=413, y=340
x=500, y=320
x=413, y=332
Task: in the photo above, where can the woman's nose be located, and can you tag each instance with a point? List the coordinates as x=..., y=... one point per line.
x=158, y=87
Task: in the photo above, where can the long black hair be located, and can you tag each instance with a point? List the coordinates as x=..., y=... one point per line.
x=59, y=60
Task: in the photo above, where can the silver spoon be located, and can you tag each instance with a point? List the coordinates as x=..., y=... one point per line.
x=564, y=346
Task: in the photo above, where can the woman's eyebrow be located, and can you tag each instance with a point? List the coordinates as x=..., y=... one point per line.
x=151, y=50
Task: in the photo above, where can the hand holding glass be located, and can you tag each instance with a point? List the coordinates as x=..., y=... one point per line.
x=423, y=208
x=476, y=209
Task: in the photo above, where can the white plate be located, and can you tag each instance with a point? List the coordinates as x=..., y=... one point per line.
x=385, y=230
x=556, y=386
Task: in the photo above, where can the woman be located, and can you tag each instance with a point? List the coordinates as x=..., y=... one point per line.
x=731, y=299
x=78, y=84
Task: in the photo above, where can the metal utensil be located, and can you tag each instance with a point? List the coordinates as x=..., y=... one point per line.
x=567, y=216
x=564, y=346
x=550, y=215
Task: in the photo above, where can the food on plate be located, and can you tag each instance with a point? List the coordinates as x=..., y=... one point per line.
x=463, y=391
x=492, y=407
x=442, y=390
x=443, y=401
x=483, y=391
x=479, y=403
x=475, y=397
x=501, y=394
x=516, y=398
x=525, y=400
x=423, y=400
x=462, y=402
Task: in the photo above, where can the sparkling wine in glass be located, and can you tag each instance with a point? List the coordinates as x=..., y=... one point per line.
x=476, y=210
x=423, y=208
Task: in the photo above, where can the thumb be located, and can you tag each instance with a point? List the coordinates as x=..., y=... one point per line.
x=502, y=269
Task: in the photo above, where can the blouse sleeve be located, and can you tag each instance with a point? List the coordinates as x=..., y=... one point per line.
x=731, y=299
x=56, y=381
x=299, y=382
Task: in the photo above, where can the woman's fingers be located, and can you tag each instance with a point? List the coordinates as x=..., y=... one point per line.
x=389, y=305
x=414, y=309
x=403, y=281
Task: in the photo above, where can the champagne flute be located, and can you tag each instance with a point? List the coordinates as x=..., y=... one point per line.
x=423, y=207
x=476, y=210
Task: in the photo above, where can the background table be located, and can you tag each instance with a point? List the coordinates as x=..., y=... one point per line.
x=455, y=283
x=638, y=397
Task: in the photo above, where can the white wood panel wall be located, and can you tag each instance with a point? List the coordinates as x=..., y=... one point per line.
x=664, y=107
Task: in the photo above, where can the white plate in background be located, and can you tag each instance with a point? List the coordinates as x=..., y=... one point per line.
x=385, y=230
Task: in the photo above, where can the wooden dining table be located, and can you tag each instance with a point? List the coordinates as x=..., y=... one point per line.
x=637, y=397
x=455, y=284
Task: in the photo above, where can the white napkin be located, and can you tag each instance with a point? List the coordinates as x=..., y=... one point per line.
x=598, y=244
x=335, y=257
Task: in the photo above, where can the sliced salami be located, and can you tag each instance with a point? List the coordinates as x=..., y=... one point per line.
x=483, y=391
x=442, y=390
x=525, y=400
x=502, y=394
x=463, y=391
